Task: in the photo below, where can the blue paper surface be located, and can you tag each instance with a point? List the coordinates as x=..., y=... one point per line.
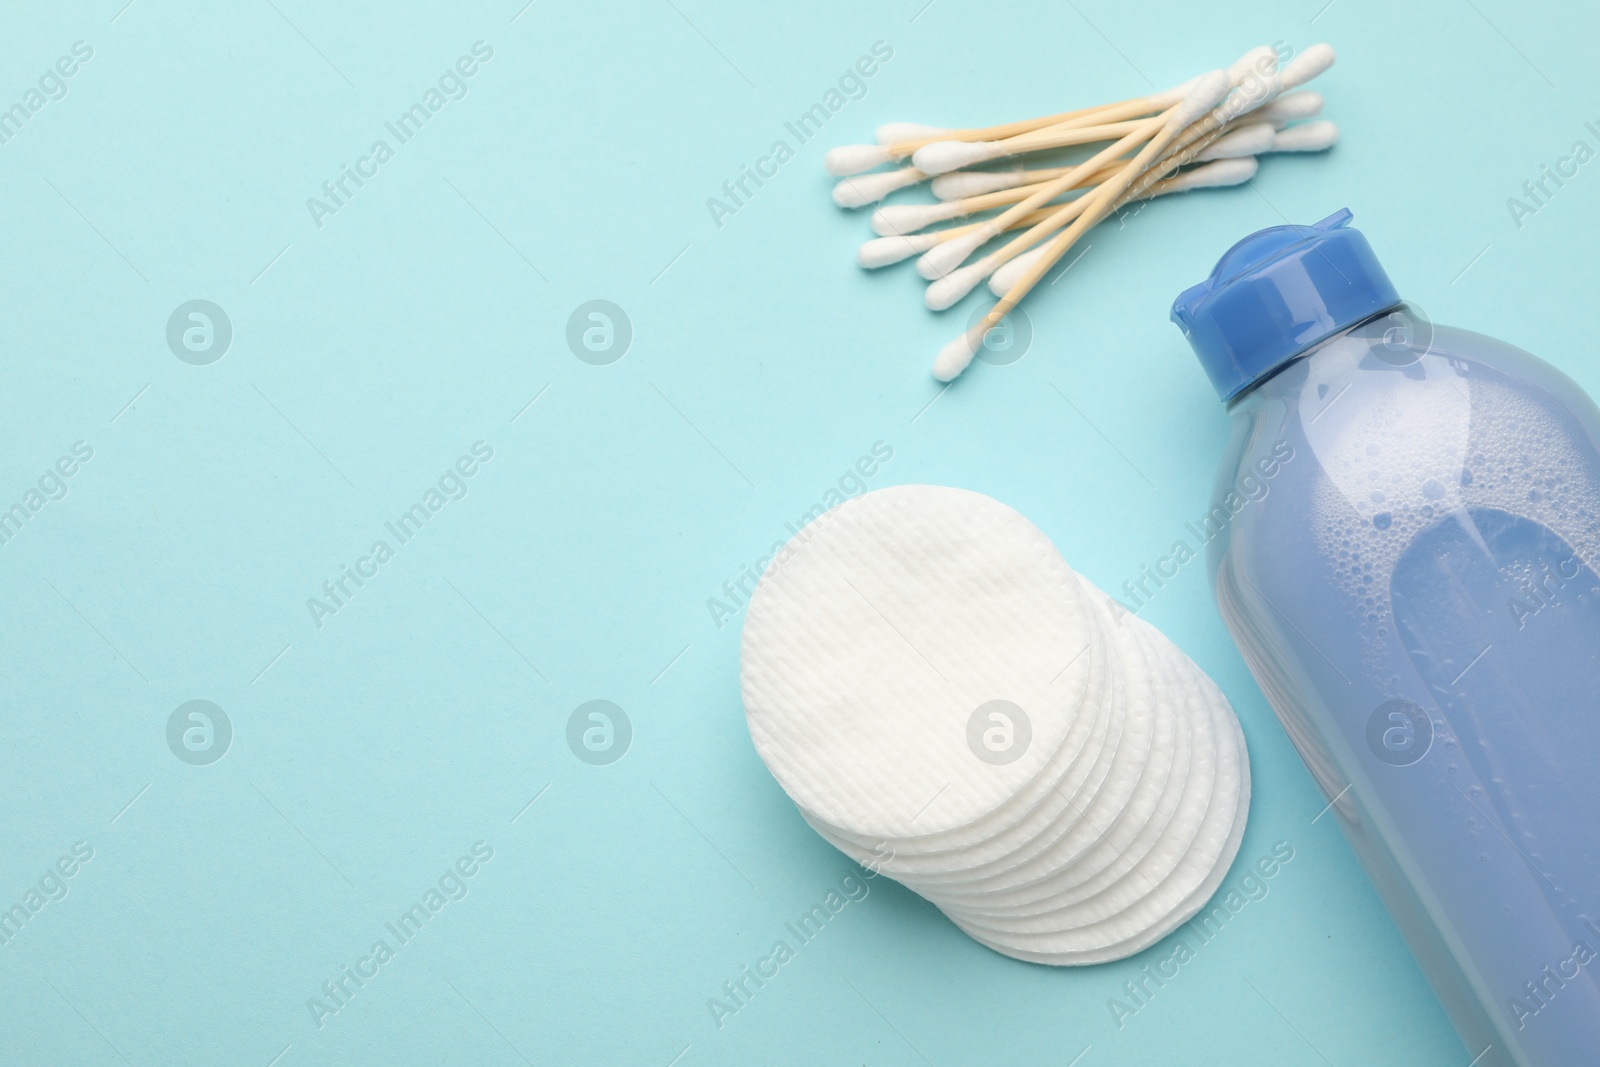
x=395, y=361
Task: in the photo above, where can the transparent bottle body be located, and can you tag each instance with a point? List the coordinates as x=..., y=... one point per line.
x=1405, y=540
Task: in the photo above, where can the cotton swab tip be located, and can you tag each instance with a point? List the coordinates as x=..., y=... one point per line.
x=1167, y=97
x=1006, y=278
x=940, y=157
x=1253, y=93
x=965, y=183
x=1308, y=64
x=882, y=251
x=1310, y=137
x=909, y=218
x=1291, y=107
x=1206, y=94
x=946, y=256
x=1216, y=175
x=863, y=189
x=957, y=355
x=953, y=286
x=1261, y=60
x=1248, y=140
x=895, y=132
x=854, y=158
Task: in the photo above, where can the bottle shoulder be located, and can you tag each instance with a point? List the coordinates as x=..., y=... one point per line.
x=1382, y=433
x=1395, y=378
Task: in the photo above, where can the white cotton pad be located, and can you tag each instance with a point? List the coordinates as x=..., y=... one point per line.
x=980, y=849
x=1079, y=764
x=1157, y=911
x=1135, y=869
x=1065, y=820
x=876, y=635
x=873, y=649
x=1030, y=951
x=1110, y=834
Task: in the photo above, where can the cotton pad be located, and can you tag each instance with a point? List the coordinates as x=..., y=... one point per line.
x=1081, y=765
x=1067, y=820
x=1120, y=834
x=948, y=703
x=1208, y=798
x=878, y=633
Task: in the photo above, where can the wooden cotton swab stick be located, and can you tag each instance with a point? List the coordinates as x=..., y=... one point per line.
x=1210, y=90
x=950, y=255
x=861, y=189
x=882, y=251
x=1223, y=172
x=1183, y=143
x=851, y=159
x=1233, y=169
x=944, y=156
x=901, y=219
x=963, y=184
x=1256, y=67
x=1011, y=260
x=1253, y=74
x=904, y=219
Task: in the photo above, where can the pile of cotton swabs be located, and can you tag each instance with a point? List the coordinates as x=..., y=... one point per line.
x=1214, y=125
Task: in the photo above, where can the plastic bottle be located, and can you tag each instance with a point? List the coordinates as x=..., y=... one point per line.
x=1405, y=539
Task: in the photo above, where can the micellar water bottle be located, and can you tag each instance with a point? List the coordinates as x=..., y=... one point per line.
x=1417, y=596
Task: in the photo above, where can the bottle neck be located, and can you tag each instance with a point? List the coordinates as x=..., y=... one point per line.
x=1311, y=350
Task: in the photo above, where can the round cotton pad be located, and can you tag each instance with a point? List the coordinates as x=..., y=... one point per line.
x=879, y=633
x=1069, y=819
x=950, y=705
x=1208, y=800
x=1157, y=910
x=1075, y=774
x=1079, y=765
x=1116, y=836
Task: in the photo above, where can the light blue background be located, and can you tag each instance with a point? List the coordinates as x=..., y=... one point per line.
x=369, y=353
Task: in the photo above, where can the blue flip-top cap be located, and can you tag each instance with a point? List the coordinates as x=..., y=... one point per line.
x=1275, y=294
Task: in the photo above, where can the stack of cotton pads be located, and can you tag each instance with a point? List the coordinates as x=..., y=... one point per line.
x=949, y=704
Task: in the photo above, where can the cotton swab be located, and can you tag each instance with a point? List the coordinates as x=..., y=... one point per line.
x=950, y=254
x=1204, y=133
x=1291, y=107
x=863, y=189
x=851, y=159
x=1248, y=140
x=1231, y=147
x=940, y=157
x=847, y=160
x=1307, y=65
x=1257, y=67
x=1233, y=168
x=1222, y=173
x=881, y=251
x=908, y=218
x=1310, y=137
x=1207, y=93
x=1254, y=82
x=956, y=186
x=960, y=184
